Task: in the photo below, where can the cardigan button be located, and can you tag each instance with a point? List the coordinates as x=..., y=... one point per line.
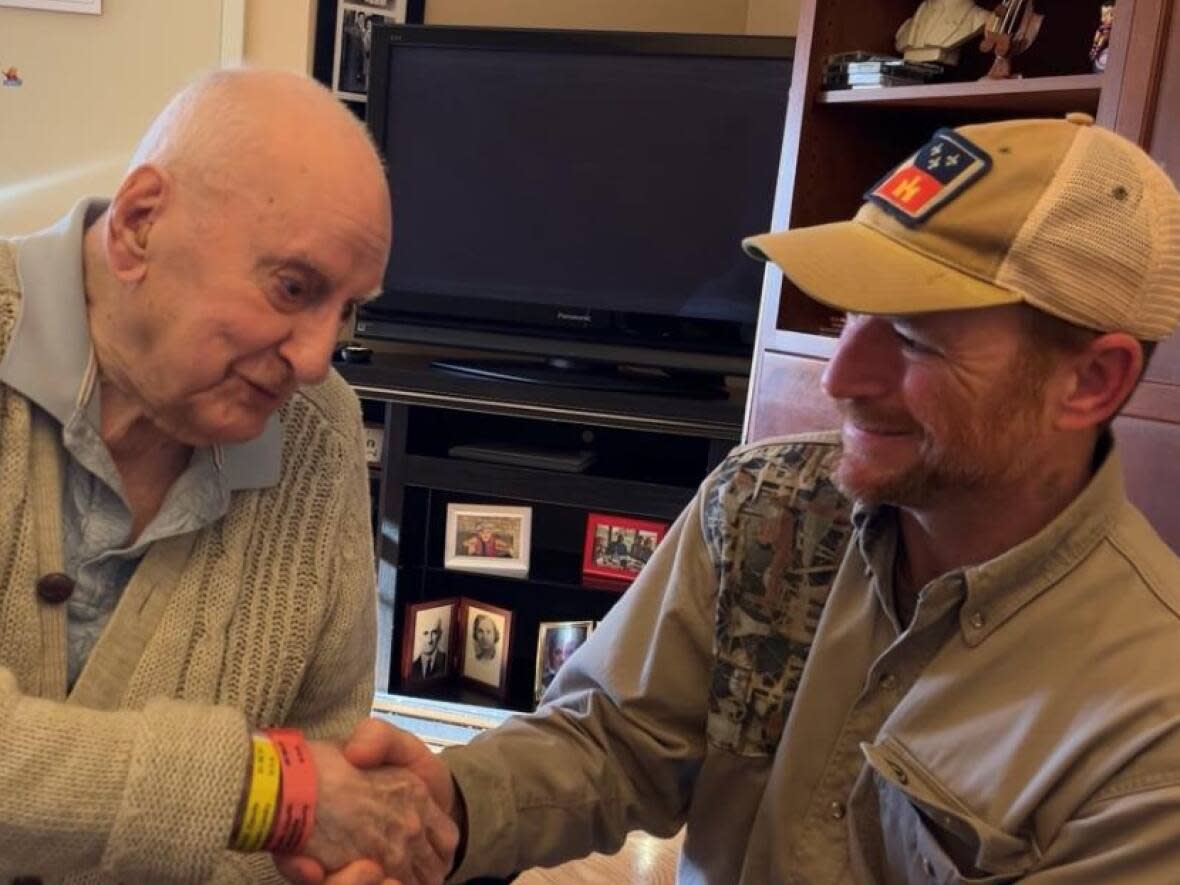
x=55, y=588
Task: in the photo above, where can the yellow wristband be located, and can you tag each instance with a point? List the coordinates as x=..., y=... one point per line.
x=262, y=799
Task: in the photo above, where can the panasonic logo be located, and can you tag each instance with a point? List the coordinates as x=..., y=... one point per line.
x=574, y=317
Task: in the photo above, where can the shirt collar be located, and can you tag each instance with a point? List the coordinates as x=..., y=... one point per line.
x=1000, y=587
x=49, y=352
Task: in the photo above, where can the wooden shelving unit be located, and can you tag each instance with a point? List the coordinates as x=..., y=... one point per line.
x=1038, y=95
x=838, y=143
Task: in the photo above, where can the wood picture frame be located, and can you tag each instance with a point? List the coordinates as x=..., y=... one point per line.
x=488, y=539
x=486, y=636
x=617, y=547
x=556, y=641
x=429, y=642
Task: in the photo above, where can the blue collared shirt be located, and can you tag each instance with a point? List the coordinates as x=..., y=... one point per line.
x=50, y=360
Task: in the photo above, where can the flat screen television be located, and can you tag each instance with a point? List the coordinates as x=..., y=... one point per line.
x=577, y=195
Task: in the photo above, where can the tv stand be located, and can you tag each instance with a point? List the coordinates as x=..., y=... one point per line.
x=650, y=453
x=590, y=375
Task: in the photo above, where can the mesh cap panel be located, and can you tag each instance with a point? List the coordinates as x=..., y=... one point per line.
x=1102, y=247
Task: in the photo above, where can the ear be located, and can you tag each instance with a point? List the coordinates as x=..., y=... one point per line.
x=138, y=204
x=1099, y=381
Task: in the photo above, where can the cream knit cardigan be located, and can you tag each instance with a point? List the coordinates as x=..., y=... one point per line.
x=267, y=617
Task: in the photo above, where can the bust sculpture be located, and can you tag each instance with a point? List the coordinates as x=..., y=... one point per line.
x=938, y=28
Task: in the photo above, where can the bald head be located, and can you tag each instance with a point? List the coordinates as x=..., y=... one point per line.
x=223, y=127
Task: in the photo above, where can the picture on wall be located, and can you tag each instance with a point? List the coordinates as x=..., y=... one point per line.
x=354, y=40
x=487, y=645
x=428, y=646
x=489, y=539
x=617, y=547
x=556, y=641
x=93, y=7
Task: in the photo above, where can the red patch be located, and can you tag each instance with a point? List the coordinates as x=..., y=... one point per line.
x=909, y=189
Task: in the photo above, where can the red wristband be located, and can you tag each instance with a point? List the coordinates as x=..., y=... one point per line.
x=296, y=812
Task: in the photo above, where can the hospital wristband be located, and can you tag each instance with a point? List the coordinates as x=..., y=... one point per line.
x=262, y=798
x=296, y=807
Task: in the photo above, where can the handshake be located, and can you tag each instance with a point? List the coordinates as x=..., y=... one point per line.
x=385, y=812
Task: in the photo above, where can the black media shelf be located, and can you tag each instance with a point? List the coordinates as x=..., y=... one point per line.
x=650, y=453
x=547, y=487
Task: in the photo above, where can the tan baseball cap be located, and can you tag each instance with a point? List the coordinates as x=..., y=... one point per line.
x=1060, y=214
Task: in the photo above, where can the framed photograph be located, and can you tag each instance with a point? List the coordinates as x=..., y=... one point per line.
x=556, y=641
x=374, y=443
x=618, y=546
x=487, y=645
x=428, y=642
x=489, y=539
x=93, y=7
x=354, y=40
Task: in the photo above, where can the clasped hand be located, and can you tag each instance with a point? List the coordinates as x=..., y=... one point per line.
x=382, y=813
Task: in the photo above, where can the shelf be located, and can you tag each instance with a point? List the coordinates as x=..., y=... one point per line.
x=409, y=379
x=1042, y=95
x=587, y=584
x=546, y=487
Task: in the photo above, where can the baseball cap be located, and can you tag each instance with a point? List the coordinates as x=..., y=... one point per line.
x=1060, y=214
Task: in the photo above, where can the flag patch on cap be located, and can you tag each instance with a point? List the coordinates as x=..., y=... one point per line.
x=945, y=167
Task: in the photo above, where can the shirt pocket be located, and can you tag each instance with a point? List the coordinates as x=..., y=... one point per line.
x=930, y=835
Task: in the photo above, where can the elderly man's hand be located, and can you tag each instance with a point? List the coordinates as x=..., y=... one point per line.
x=385, y=815
x=376, y=747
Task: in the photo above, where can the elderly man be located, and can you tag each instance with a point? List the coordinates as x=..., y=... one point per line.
x=185, y=553
x=938, y=646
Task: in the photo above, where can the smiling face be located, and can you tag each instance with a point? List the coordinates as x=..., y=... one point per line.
x=938, y=404
x=244, y=273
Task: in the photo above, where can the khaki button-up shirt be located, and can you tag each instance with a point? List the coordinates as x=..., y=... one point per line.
x=1024, y=725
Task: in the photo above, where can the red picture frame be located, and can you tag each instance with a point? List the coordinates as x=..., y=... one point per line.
x=617, y=547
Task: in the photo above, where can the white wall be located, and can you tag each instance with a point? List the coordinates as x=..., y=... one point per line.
x=92, y=83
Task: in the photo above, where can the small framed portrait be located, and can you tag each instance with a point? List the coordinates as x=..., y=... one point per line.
x=556, y=641
x=374, y=443
x=487, y=644
x=354, y=40
x=428, y=646
x=617, y=547
x=488, y=539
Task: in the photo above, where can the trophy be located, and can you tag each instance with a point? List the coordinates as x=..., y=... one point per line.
x=1012, y=28
x=938, y=28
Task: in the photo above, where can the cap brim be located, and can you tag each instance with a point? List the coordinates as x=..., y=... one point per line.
x=851, y=267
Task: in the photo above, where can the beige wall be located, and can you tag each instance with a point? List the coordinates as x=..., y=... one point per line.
x=92, y=83
x=280, y=34
x=705, y=16
x=775, y=17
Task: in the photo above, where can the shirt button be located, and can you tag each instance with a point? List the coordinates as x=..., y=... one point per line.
x=927, y=867
x=55, y=588
x=888, y=681
x=836, y=810
x=977, y=620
